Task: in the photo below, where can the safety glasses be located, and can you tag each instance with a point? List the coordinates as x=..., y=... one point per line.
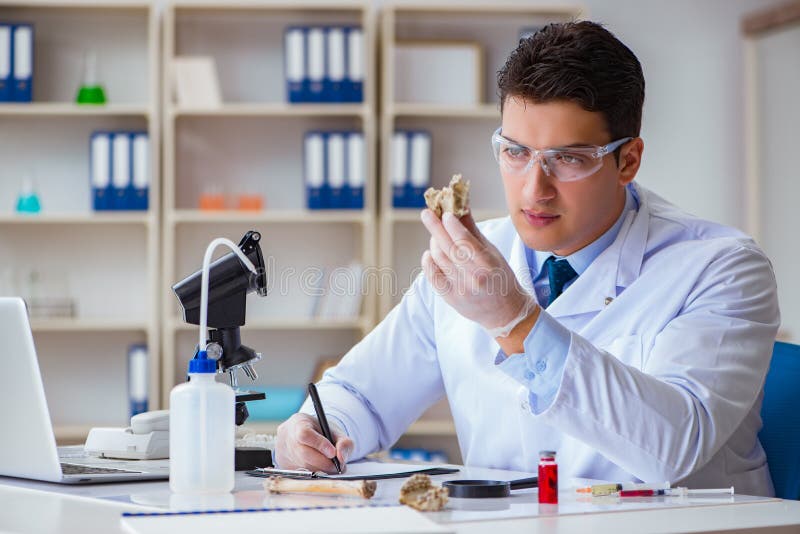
x=565, y=164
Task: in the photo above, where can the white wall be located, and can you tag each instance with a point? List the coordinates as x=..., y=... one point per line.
x=779, y=116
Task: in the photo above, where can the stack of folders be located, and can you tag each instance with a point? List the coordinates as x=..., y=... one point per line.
x=137, y=378
x=324, y=64
x=16, y=62
x=411, y=168
x=119, y=170
x=334, y=170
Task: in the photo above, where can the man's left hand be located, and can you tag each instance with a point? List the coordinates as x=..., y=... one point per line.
x=471, y=275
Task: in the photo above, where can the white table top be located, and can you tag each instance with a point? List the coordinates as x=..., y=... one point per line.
x=29, y=506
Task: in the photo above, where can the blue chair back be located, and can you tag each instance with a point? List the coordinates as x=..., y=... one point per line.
x=780, y=435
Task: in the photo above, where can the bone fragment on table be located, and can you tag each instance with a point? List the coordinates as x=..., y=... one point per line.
x=420, y=493
x=453, y=198
x=358, y=488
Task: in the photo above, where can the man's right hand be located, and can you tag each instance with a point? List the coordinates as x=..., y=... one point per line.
x=300, y=444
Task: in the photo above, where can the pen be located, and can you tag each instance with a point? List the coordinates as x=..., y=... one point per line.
x=305, y=473
x=323, y=421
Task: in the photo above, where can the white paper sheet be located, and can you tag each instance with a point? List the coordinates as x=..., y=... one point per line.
x=369, y=469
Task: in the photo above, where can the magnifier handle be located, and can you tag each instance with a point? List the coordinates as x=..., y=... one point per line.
x=523, y=483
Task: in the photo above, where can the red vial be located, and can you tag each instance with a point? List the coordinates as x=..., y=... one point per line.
x=548, y=477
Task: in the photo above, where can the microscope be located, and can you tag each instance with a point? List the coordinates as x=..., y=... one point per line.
x=229, y=283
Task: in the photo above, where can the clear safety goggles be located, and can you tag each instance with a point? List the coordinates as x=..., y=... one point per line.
x=565, y=164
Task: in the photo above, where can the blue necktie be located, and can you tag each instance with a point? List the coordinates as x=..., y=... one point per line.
x=559, y=273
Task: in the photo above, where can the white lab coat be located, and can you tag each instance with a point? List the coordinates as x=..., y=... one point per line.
x=664, y=383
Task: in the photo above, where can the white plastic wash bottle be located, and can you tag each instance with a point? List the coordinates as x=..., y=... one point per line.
x=201, y=432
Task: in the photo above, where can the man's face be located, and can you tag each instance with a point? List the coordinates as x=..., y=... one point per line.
x=562, y=217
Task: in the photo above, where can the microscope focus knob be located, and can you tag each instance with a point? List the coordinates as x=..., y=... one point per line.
x=214, y=350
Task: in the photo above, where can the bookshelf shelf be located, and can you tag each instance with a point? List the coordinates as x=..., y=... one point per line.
x=65, y=109
x=69, y=434
x=484, y=111
x=78, y=218
x=419, y=428
x=256, y=323
x=432, y=427
x=276, y=110
x=87, y=325
x=260, y=6
x=271, y=216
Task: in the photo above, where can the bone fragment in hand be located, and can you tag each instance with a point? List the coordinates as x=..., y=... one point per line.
x=453, y=198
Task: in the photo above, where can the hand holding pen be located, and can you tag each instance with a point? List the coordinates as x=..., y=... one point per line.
x=323, y=423
x=301, y=445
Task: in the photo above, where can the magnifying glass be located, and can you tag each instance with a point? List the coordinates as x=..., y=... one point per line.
x=482, y=489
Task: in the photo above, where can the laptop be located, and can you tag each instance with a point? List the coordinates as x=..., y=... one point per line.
x=27, y=442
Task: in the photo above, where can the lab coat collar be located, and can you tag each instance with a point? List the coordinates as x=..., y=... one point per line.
x=613, y=270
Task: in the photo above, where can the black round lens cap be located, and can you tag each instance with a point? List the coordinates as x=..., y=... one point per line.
x=477, y=489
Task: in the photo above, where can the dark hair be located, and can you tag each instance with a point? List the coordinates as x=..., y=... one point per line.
x=580, y=62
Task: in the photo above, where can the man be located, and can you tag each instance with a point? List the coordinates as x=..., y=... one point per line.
x=597, y=320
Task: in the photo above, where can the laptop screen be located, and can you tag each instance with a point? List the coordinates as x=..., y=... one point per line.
x=28, y=446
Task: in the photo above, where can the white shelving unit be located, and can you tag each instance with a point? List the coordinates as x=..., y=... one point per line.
x=456, y=132
x=107, y=263
x=253, y=143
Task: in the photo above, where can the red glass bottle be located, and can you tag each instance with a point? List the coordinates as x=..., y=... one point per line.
x=548, y=477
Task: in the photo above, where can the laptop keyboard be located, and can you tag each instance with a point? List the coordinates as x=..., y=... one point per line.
x=74, y=469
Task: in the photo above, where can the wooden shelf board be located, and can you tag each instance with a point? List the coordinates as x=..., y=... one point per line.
x=72, y=433
x=432, y=428
x=270, y=216
x=420, y=428
x=87, y=325
x=143, y=218
x=488, y=9
x=95, y=5
x=277, y=5
x=66, y=109
x=482, y=111
x=288, y=324
x=277, y=109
